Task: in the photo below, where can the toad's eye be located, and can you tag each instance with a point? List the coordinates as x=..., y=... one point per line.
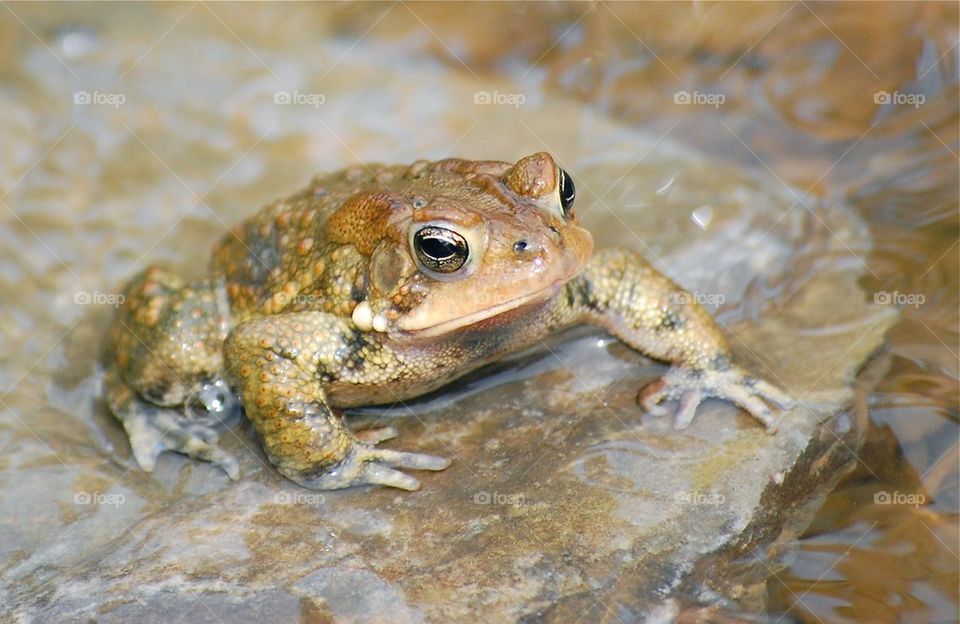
x=440, y=249
x=568, y=192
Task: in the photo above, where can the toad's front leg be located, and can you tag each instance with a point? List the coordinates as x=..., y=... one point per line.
x=278, y=365
x=621, y=292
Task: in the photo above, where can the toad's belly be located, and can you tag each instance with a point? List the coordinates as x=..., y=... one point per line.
x=416, y=368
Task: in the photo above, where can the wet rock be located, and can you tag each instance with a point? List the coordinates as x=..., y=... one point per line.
x=563, y=497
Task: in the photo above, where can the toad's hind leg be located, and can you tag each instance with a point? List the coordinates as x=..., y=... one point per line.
x=163, y=362
x=279, y=365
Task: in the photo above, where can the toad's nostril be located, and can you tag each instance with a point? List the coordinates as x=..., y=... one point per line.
x=520, y=246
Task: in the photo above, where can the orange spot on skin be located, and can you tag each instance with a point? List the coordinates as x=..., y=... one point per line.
x=366, y=218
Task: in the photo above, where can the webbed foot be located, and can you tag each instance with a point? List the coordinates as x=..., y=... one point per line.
x=692, y=386
x=365, y=464
x=153, y=429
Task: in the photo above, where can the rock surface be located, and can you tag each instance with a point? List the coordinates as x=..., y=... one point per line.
x=563, y=498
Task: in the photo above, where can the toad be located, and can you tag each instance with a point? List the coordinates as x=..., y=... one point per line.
x=377, y=284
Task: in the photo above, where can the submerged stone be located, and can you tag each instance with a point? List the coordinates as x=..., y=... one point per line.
x=563, y=496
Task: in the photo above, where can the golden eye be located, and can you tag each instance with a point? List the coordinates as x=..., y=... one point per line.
x=440, y=249
x=568, y=192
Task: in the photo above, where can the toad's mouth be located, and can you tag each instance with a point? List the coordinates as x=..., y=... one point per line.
x=484, y=314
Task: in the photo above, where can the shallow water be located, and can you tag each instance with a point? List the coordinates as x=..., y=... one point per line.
x=92, y=192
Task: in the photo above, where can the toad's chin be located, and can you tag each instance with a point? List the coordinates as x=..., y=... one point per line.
x=423, y=328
